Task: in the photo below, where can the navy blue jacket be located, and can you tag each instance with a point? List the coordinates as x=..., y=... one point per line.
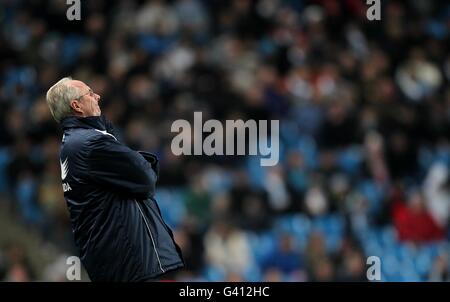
x=109, y=190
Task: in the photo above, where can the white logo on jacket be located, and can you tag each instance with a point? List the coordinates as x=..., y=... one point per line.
x=64, y=172
x=64, y=169
x=106, y=133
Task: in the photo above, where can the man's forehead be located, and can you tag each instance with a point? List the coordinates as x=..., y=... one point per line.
x=79, y=84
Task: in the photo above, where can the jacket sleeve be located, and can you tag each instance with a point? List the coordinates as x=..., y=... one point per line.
x=114, y=165
x=110, y=128
x=152, y=160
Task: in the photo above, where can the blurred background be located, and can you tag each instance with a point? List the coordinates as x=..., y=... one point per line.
x=364, y=110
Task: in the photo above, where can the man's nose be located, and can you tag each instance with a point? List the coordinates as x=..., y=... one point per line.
x=97, y=97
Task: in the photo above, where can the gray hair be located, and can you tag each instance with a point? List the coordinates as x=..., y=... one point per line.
x=59, y=97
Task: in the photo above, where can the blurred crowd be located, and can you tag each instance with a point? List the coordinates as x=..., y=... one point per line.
x=364, y=111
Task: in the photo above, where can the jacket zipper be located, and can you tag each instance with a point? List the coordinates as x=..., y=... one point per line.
x=151, y=236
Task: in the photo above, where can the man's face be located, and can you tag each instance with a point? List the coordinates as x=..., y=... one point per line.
x=87, y=102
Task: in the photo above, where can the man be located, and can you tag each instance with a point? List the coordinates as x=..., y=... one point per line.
x=109, y=190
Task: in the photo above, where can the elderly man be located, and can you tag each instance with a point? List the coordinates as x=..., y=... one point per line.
x=109, y=190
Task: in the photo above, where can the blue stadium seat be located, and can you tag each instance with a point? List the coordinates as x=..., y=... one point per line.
x=373, y=194
x=72, y=45
x=350, y=159
x=371, y=247
x=4, y=160
x=423, y=262
x=406, y=251
x=388, y=236
x=308, y=148
x=258, y=247
x=213, y=274
x=172, y=207
x=332, y=227
x=390, y=265
x=26, y=192
x=256, y=172
x=252, y=273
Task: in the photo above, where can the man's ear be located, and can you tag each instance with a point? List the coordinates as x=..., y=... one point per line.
x=75, y=106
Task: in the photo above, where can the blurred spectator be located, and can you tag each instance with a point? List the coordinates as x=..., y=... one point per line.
x=437, y=193
x=249, y=205
x=198, y=201
x=227, y=248
x=412, y=220
x=317, y=258
x=316, y=202
x=274, y=184
x=352, y=266
x=418, y=77
x=18, y=267
x=440, y=271
x=273, y=275
x=190, y=239
x=323, y=271
x=284, y=258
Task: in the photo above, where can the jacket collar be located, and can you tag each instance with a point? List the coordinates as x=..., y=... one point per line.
x=96, y=122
